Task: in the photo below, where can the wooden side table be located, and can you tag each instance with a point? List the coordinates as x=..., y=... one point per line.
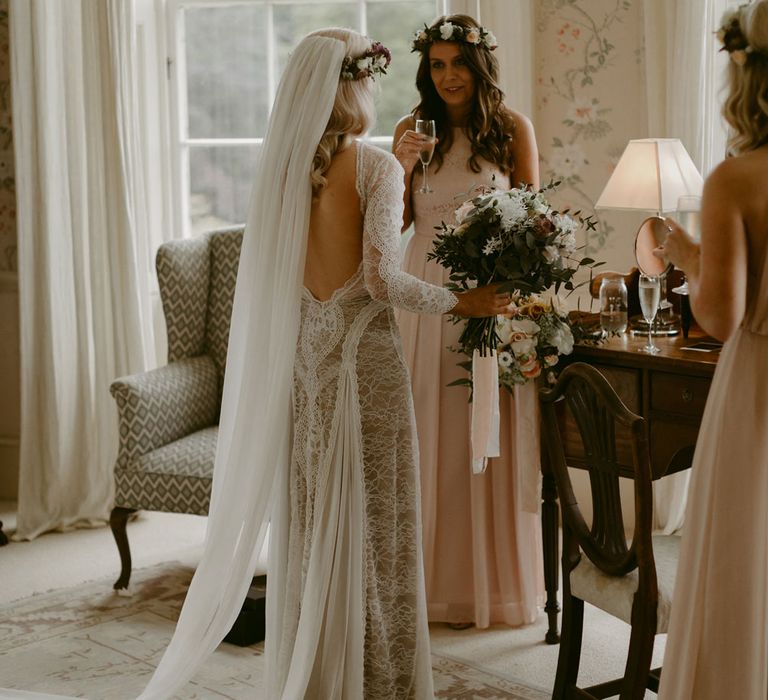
x=669, y=390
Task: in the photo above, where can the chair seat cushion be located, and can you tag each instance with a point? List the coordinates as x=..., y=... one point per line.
x=175, y=478
x=614, y=594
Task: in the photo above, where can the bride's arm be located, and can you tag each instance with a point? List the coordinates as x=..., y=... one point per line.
x=384, y=278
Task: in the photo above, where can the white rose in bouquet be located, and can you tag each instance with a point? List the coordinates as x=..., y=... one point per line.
x=461, y=213
x=539, y=205
x=523, y=336
x=562, y=338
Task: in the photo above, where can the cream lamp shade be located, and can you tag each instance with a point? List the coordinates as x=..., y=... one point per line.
x=651, y=175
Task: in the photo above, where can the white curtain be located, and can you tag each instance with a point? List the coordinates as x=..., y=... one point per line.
x=83, y=275
x=462, y=7
x=512, y=21
x=683, y=76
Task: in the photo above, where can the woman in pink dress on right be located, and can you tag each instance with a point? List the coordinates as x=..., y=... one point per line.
x=718, y=639
x=481, y=532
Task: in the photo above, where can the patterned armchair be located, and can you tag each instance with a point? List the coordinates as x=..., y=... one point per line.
x=168, y=417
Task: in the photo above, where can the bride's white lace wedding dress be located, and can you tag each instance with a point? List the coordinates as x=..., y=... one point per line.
x=347, y=589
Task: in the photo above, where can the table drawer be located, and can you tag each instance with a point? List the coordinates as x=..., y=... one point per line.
x=626, y=382
x=678, y=393
x=672, y=446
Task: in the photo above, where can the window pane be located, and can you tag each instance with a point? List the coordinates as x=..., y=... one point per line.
x=226, y=57
x=394, y=23
x=292, y=22
x=220, y=183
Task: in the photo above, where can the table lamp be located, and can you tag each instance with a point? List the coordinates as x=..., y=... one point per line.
x=652, y=175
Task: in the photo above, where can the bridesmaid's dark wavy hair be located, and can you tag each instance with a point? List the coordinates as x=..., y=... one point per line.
x=490, y=128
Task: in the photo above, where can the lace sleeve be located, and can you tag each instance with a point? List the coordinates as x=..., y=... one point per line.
x=381, y=185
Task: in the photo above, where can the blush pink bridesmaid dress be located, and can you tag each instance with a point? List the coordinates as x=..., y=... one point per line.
x=481, y=533
x=718, y=637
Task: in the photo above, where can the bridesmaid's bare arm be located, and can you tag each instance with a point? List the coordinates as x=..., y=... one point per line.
x=524, y=150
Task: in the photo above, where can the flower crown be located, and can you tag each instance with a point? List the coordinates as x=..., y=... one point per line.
x=375, y=60
x=732, y=37
x=478, y=36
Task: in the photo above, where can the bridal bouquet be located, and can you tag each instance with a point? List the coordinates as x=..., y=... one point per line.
x=514, y=238
x=532, y=337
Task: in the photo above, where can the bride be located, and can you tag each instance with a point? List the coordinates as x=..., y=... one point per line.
x=317, y=427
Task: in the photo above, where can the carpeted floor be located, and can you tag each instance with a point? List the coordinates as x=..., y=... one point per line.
x=61, y=566
x=88, y=642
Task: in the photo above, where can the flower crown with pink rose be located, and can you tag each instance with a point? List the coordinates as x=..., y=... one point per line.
x=477, y=36
x=375, y=60
x=731, y=36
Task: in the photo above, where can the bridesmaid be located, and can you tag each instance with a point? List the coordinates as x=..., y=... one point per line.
x=718, y=637
x=481, y=532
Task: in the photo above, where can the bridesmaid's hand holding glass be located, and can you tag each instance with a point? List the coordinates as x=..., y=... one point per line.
x=678, y=248
x=408, y=149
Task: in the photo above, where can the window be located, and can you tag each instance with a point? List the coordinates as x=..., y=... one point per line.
x=226, y=60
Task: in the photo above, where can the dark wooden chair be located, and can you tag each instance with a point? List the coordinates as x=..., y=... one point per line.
x=631, y=580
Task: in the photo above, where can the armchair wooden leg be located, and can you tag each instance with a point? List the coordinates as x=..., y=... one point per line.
x=118, y=519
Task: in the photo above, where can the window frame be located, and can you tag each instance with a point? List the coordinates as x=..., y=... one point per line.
x=180, y=142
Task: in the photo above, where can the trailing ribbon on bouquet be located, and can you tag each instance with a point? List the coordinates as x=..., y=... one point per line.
x=485, y=409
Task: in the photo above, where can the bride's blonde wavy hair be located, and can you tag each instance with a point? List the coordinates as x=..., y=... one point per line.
x=353, y=111
x=746, y=107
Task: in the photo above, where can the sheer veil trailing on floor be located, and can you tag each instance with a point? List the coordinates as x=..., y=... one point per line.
x=255, y=426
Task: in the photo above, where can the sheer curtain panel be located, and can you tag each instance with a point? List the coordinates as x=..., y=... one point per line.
x=512, y=21
x=684, y=74
x=83, y=286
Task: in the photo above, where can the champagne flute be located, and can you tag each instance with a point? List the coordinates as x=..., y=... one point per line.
x=426, y=127
x=689, y=215
x=649, y=291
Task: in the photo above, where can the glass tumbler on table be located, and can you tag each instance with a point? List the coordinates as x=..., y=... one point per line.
x=426, y=127
x=649, y=291
x=613, y=305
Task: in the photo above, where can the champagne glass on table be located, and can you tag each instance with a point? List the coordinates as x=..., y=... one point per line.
x=649, y=290
x=426, y=127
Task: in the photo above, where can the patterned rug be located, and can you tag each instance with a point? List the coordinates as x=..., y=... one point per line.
x=88, y=642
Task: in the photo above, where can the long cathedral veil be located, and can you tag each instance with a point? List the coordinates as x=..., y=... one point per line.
x=255, y=425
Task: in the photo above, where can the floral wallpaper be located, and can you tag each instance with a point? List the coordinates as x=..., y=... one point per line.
x=7, y=180
x=590, y=100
